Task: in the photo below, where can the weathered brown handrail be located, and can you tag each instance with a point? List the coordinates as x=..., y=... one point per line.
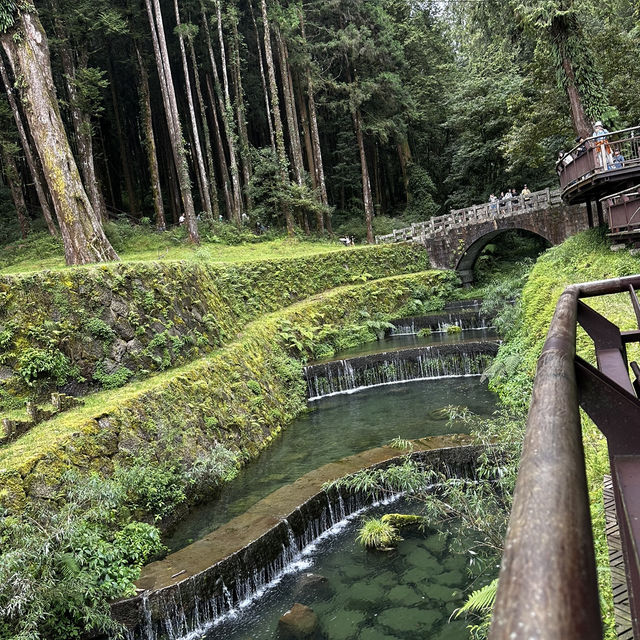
x=548, y=584
x=596, y=155
x=623, y=209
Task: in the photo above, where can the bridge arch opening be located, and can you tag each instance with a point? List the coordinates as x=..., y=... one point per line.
x=496, y=249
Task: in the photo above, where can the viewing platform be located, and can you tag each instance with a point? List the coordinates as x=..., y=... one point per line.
x=623, y=212
x=600, y=165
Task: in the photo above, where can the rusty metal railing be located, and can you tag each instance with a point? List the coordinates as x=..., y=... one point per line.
x=599, y=154
x=548, y=585
x=623, y=210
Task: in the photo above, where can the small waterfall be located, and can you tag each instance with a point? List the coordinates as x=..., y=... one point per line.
x=393, y=367
x=467, y=319
x=187, y=609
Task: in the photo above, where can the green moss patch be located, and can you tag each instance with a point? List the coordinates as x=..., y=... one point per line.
x=239, y=397
x=84, y=329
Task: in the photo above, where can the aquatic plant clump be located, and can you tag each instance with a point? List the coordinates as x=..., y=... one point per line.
x=377, y=534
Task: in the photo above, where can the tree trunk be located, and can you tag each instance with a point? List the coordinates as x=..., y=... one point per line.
x=275, y=105
x=404, y=155
x=308, y=144
x=264, y=81
x=15, y=185
x=82, y=127
x=171, y=112
x=315, y=138
x=222, y=159
x=245, y=156
x=226, y=114
x=150, y=144
x=205, y=134
x=581, y=123
x=202, y=172
x=125, y=153
x=81, y=229
x=579, y=117
x=376, y=173
x=366, y=183
x=290, y=110
x=32, y=162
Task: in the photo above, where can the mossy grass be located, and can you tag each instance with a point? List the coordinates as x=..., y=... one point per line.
x=103, y=325
x=42, y=253
x=378, y=534
x=179, y=412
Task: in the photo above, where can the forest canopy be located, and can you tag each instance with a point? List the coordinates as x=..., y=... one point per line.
x=327, y=116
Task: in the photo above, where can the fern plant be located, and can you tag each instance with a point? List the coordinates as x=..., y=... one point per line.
x=479, y=604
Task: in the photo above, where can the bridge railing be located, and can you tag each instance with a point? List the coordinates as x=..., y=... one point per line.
x=473, y=215
x=548, y=582
x=623, y=210
x=614, y=151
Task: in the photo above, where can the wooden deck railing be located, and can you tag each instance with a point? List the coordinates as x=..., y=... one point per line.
x=473, y=215
x=598, y=155
x=548, y=585
x=623, y=210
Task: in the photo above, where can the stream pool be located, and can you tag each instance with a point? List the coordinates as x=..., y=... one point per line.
x=338, y=426
x=405, y=594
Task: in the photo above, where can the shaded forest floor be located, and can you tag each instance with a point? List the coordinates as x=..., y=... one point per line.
x=221, y=242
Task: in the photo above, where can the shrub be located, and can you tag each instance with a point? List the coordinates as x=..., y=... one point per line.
x=100, y=329
x=62, y=564
x=118, y=378
x=37, y=363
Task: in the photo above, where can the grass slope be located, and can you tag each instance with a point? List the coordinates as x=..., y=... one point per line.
x=140, y=244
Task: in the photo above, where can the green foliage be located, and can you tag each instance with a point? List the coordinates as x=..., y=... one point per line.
x=425, y=332
x=71, y=560
x=406, y=477
x=377, y=534
x=422, y=205
x=35, y=364
x=151, y=487
x=100, y=329
x=454, y=328
x=117, y=378
x=9, y=10
x=218, y=466
x=401, y=443
x=90, y=84
x=229, y=234
x=38, y=245
x=272, y=194
x=479, y=603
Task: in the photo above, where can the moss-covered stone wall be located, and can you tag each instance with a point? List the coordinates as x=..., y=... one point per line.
x=85, y=329
x=239, y=397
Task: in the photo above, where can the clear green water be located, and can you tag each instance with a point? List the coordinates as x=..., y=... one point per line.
x=337, y=427
x=407, y=594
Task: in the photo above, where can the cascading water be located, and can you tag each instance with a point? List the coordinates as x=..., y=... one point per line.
x=464, y=315
x=180, y=608
x=347, y=376
x=185, y=610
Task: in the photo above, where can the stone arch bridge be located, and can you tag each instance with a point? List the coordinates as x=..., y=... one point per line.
x=455, y=240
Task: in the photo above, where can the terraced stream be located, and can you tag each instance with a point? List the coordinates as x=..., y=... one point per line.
x=341, y=425
x=406, y=594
